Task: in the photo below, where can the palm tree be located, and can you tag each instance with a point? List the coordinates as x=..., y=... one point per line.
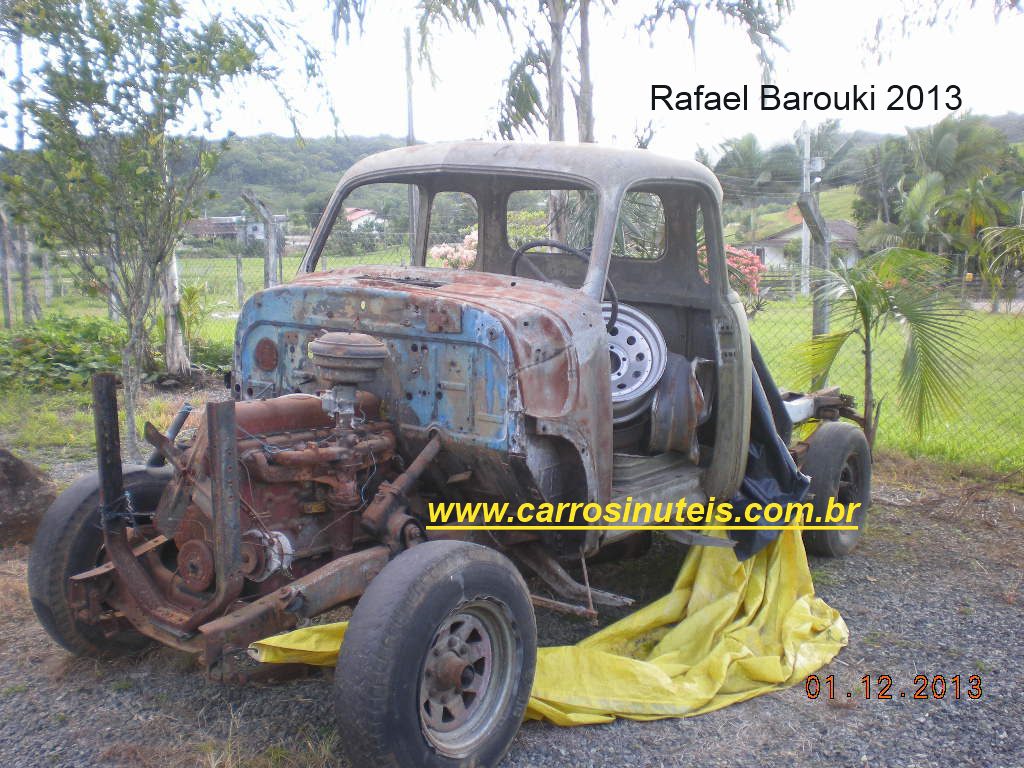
x=968, y=211
x=1004, y=247
x=745, y=172
x=897, y=286
x=959, y=148
x=919, y=219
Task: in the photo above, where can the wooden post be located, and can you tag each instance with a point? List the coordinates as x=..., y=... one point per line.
x=239, y=279
x=271, y=262
x=821, y=256
x=410, y=140
x=805, y=235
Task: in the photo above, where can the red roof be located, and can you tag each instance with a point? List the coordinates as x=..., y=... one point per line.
x=355, y=214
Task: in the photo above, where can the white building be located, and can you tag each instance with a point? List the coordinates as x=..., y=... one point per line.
x=771, y=249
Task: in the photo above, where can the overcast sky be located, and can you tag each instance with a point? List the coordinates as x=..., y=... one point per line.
x=825, y=38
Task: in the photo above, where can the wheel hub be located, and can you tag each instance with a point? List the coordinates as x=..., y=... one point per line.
x=468, y=677
x=456, y=673
x=195, y=564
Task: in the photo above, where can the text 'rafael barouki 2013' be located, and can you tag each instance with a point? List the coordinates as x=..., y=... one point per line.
x=857, y=98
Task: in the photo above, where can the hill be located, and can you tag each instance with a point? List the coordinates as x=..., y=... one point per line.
x=286, y=173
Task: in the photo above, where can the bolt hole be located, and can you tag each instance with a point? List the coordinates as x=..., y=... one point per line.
x=631, y=340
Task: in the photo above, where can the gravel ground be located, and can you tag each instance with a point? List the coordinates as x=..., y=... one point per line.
x=936, y=588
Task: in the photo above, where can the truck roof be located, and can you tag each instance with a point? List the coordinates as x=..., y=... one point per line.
x=600, y=167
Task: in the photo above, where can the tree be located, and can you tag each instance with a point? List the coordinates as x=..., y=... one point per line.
x=15, y=16
x=527, y=105
x=110, y=183
x=747, y=172
x=1004, y=249
x=912, y=17
x=884, y=168
x=919, y=224
x=760, y=19
x=960, y=149
x=896, y=287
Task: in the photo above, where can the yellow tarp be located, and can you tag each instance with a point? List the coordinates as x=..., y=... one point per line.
x=726, y=632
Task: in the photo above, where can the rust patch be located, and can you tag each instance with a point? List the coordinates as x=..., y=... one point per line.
x=266, y=355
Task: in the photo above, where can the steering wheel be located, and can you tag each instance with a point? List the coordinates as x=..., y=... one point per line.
x=583, y=256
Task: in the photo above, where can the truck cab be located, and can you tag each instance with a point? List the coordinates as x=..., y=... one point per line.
x=607, y=359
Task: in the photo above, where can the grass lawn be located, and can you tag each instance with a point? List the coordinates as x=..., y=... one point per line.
x=987, y=431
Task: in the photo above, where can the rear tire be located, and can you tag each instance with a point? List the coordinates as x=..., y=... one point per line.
x=70, y=541
x=437, y=664
x=838, y=461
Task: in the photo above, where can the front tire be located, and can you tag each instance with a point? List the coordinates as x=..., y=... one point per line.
x=70, y=541
x=437, y=664
x=838, y=461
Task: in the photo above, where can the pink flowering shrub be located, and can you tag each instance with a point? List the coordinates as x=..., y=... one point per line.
x=456, y=255
x=745, y=270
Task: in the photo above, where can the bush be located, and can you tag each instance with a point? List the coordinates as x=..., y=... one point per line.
x=60, y=353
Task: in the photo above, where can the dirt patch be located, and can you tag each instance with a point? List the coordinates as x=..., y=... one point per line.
x=933, y=590
x=27, y=493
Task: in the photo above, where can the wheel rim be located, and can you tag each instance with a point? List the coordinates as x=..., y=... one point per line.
x=637, y=357
x=468, y=676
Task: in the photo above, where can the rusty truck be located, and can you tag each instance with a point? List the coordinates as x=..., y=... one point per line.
x=593, y=351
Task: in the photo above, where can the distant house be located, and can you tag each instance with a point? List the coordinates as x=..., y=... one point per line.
x=241, y=228
x=771, y=249
x=361, y=217
x=217, y=227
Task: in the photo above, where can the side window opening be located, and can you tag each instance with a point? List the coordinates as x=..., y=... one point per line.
x=567, y=215
x=454, y=231
x=640, y=229
x=372, y=226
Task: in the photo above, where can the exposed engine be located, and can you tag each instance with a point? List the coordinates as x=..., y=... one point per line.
x=308, y=466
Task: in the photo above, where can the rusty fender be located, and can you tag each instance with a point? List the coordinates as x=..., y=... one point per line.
x=337, y=582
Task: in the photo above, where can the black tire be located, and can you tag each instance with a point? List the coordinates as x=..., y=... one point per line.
x=838, y=461
x=69, y=541
x=408, y=656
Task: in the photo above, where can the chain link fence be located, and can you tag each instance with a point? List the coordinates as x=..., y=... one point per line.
x=985, y=429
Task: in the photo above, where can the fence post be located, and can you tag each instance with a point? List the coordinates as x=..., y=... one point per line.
x=271, y=262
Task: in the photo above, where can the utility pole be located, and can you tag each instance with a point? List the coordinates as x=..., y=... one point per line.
x=805, y=233
x=410, y=140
